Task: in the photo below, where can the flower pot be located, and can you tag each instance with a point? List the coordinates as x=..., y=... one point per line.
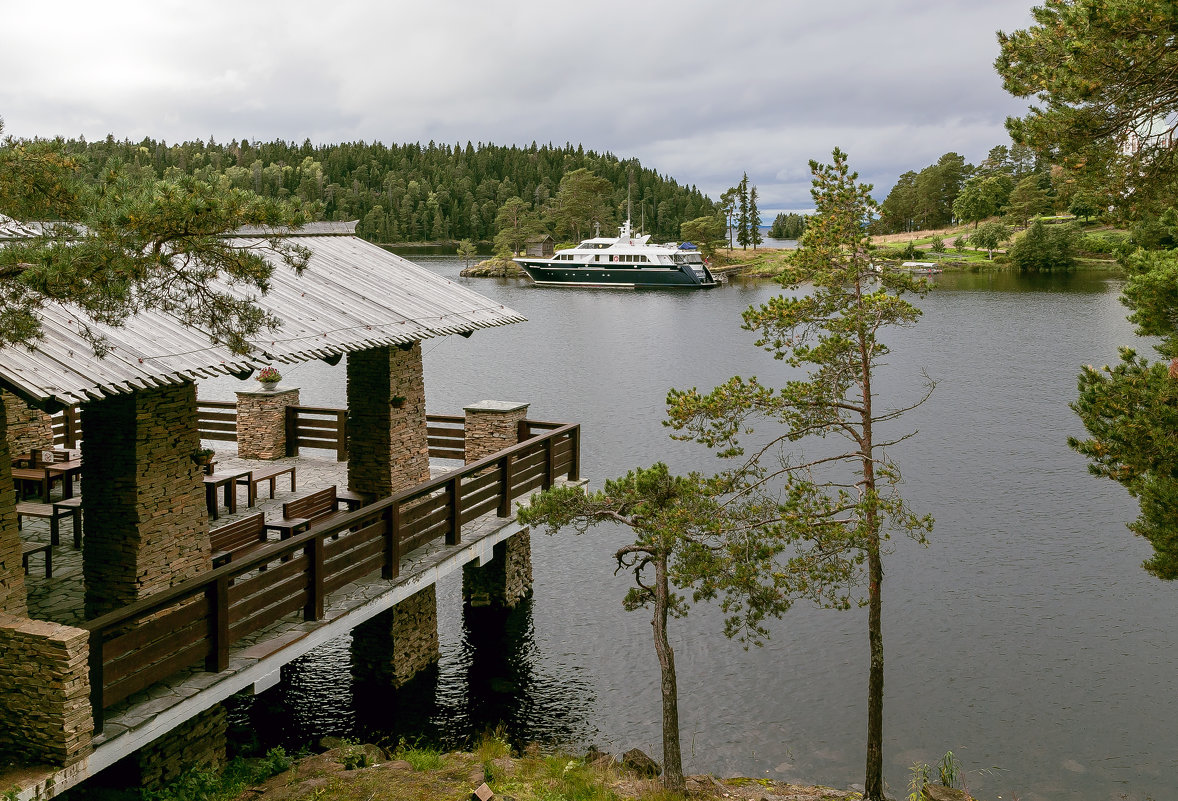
x=268, y=386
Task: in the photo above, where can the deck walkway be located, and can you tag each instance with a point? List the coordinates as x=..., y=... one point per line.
x=255, y=660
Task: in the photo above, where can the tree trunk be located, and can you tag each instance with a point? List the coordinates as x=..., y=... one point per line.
x=873, y=784
x=672, y=757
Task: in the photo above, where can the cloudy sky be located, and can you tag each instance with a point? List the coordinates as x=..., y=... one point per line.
x=700, y=90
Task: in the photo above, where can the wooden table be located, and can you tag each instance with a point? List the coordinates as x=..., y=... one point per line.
x=216, y=481
x=36, y=475
x=66, y=472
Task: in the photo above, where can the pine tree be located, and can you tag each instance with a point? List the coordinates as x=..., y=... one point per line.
x=754, y=219
x=742, y=214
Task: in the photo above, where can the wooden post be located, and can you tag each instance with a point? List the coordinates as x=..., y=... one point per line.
x=292, y=431
x=96, y=679
x=506, y=465
x=341, y=432
x=575, y=443
x=217, y=594
x=314, y=608
x=454, y=536
x=392, y=542
x=550, y=466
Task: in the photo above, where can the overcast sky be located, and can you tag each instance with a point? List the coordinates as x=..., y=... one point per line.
x=696, y=89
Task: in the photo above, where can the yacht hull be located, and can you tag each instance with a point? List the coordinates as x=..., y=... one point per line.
x=565, y=274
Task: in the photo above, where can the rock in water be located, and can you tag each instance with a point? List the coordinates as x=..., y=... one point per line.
x=939, y=792
x=636, y=761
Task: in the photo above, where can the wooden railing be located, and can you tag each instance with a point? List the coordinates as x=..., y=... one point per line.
x=317, y=427
x=198, y=620
x=67, y=427
x=447, y=436
x=217, y=420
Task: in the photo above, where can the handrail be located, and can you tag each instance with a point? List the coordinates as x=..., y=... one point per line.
x=311, y=565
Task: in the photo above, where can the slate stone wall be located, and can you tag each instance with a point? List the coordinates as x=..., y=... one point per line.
x=198, y=743
x=12, y=576
x=388, y=447
x=504, y=581
x=28, y=428
x=395, y=645
x=261, y=423
x=147, y=526
x=44, y=692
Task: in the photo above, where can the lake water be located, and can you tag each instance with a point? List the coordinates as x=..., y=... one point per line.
x=1025, y=638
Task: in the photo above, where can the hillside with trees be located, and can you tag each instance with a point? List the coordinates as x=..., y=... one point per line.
x=415, y=192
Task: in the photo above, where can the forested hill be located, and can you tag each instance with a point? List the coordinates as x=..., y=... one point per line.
x=414, y=192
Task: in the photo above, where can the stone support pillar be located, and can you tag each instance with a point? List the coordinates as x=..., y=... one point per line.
x=12, y=576
x=147, y=526
x=261, y=422
x=505, y=580
x=29, y=429
x=44, y=692
x=197, y=743
x=388, y=447
x=492, y=426
x=395, y=645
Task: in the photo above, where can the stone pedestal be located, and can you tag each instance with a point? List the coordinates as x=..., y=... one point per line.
x=147, y=526
x=492, y=426
x=395, y=645
x=388, y=447
x=505, y=580
x=12, y=576
x=261, y=422
x=44, y=692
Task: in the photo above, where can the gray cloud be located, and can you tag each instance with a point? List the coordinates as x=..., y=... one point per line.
x=702, y=91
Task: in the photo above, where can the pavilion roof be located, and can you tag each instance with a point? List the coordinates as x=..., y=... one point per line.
x=352, y=296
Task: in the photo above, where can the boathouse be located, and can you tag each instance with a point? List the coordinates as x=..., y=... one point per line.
x=167, y=614
x=541, y=247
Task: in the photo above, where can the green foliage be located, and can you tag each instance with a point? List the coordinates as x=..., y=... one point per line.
x=581, y=202
x=514, y=223
x=835, y=509
x=419, y=755
x=926, y=199
x=937, y=245
x=1100, y=72
x=128, y=243
x=1084, y=204
x=909, y=251
x=788, y=226
x=1045, y=248
x=707, y=233
x=466, y=251
x=959, y=244
x=207, y=784
x=989, y=236
x=1028, y=199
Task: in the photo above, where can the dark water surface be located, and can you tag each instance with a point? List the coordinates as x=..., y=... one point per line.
x=1025, y=638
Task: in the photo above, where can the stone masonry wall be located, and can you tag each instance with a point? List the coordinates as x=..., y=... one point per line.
x=492, y=426
x=261, y=423
x=504, y=581
x=28, y=428
x=198, y=743
x=147, y=526
x=44, y=692
x=395, y=645
x=388, y=448
x=12, y=576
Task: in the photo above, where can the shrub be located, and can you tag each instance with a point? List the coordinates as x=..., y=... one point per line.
x=938, y=245
x=1045, y=249
x=959, y=244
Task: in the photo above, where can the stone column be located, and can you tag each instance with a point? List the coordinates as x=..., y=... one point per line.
x=505, y=580
x=395, y=645
x=147, y=526
x=13, y=599
x=44, y=692
x=261, y=422
x=28, y=428
x=388, y=448
x=492, y=426
x=196, y=743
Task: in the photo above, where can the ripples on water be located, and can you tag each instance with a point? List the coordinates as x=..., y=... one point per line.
x=1026, y=637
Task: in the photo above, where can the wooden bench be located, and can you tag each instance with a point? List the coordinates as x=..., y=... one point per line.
x=270, y=474
x=236, y=539
x=27, y=549
x=73, y=507
x=53, y=512
x=318, y=507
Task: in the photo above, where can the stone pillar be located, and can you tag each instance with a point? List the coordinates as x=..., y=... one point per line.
x=29, y=429
x=492, y=426
x=13, y=599
x=388, y=448
x=147, y=526
x=505, y=580
x=196, y=743
x=44, y=692
x=261, y=422
x=395, y=645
